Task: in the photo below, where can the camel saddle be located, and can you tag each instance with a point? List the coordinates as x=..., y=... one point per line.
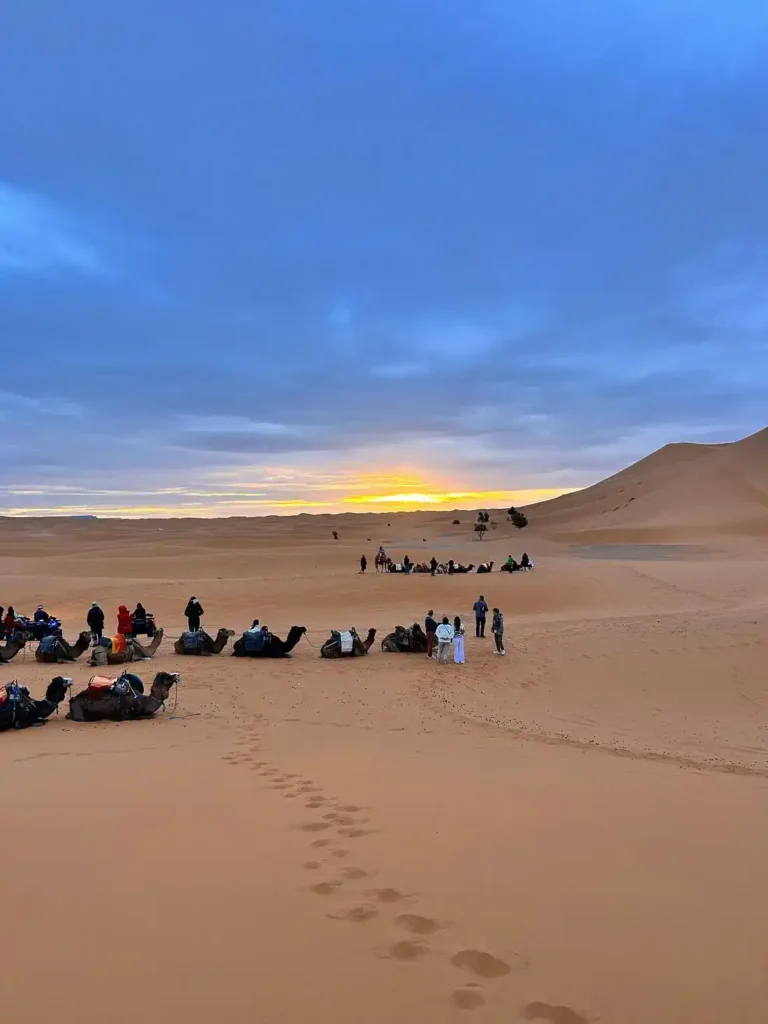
x=102, y=686
x=346, y=640
x=49, y=644
x=119, y=644
x=255, y=640
x=193, y=641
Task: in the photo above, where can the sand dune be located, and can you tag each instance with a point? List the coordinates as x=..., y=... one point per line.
x=571, y=834
x=682, y=491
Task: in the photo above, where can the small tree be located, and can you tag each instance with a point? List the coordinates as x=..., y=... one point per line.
x=481, y=525
x=517, y=518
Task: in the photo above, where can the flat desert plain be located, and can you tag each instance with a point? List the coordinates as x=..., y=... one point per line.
x=574, y=833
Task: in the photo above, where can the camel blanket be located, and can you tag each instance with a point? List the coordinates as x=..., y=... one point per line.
x=118, y=644
x=192, y=641
x=347, y=641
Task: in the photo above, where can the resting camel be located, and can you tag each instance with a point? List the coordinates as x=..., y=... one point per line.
x=120, y=699
x=18, y=710
x=485, y=567
x=332, y=647
x=406, y=640
x=201, y=643
x=134, y=651
x=11, y=649
x=53, y=650
x=459, y=568
x=274, y=647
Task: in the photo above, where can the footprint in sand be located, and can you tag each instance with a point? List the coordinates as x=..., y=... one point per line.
x=321, y=842
x=482, y=964
x=355, y=833
x=317, y=802
x=418, y=925
x=468, y=998
x=325, y=888
x=350, y=808
x=387, y=895
x=407, y=950
x=314, y=826
x=353, y=874
x=340, y=853
x=553, y=1014
x=311, y=865
x=359, y=915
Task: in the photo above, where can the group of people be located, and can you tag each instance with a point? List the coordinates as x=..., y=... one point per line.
x=512, y=565
x=435, y=568
x=9, y=620
x=443, y=635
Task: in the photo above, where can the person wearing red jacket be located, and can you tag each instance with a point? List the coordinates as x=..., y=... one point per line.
x=124, y=621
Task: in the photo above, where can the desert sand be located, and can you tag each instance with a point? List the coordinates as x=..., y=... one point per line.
x=574, y=833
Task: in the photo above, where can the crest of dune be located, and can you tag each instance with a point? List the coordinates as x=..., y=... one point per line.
x=680, y=492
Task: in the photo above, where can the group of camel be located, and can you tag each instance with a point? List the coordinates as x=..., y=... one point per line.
x=103, y=699
x=124, y=697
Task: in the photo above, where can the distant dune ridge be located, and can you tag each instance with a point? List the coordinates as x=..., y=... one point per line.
x=680, y=492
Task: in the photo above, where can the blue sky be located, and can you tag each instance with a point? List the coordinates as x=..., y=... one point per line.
x=254, y=255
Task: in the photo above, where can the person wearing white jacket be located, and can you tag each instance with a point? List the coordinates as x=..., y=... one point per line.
x=458, y=641
x=444, y=636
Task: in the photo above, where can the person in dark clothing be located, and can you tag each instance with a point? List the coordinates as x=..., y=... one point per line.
x=141, y=612
x=433, y=565
x=497, y=627
x=430, y=628
x=363, y=563
x=407, y=565
x=481, y=610
x=2, y=623
x=95, y=620
x=41, y=615
x=525, y=562
x=193, y=612
x=451, y=565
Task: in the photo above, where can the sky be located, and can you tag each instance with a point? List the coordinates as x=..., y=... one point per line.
x=359, y=255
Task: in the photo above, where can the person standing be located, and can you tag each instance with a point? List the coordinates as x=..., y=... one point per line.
x=444, y=638
x=95, y=620
x=451, y=565
x=481, y=610
x=10, y=620
x=124, y=621
x=407, y=565
x=458, y=641
x=193, y=612
x=497, y=628
x=430, y=628
x=363, y=564
x=433, y=565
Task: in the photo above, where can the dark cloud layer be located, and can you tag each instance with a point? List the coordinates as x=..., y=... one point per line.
x=243, y=234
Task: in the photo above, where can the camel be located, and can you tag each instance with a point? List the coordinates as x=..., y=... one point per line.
x=485, y=567
x=406, y=640
x=201, y=643
x=55, y=649
x=134, y=651
x=18, y=710
x=119, y=699
x=11, y=649
x=380, y=562
x=273, y=647
x=332, y=647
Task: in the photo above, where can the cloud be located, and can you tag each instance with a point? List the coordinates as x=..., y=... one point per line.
x=37, y=238
x=498, y=248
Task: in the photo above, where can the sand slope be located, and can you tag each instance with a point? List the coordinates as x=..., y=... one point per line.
x=682, y=491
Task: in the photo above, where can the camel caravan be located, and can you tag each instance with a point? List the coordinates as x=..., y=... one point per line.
x=383, y=563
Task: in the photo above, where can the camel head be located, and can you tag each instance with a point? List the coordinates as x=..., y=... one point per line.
x=225, y=633
x=369, y=639
x=57, y=689
x=162, y=684
x=296, y=631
